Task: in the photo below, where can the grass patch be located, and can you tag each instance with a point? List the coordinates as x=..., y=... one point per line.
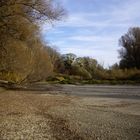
x=66, y=79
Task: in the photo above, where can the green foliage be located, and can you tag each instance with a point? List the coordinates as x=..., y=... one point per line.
x=89, y=71
x=81, y=71
x=68, y=60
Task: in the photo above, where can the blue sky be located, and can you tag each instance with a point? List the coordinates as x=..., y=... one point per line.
x=93, y=28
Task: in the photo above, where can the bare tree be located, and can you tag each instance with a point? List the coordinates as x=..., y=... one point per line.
x=20, y=45
x=55, y=57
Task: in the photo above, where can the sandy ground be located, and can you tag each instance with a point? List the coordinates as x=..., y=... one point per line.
x=70, y=112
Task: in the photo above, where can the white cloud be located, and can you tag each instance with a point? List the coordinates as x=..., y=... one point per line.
x=121, y=16
x=92, y=38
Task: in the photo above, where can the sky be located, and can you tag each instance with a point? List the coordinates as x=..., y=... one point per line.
x=93, y=28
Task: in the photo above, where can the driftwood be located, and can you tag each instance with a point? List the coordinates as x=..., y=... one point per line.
x=6, y=84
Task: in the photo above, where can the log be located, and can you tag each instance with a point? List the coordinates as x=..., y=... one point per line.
x=4, y=82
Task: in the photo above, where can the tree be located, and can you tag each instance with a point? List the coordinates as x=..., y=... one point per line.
x=68, y=60
x=56, y=60
x=42, y=66
x=19, y=32
x=130, y=53
x=19, y=19
x=89, y=64
x=14, y=65
x=114, y=66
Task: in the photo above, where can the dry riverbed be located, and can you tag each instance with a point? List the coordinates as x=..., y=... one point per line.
x=64, y=112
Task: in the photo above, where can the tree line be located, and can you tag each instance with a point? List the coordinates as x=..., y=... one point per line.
x=25, y=59
x=79, y=69
x=87, y=68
